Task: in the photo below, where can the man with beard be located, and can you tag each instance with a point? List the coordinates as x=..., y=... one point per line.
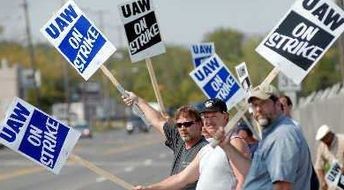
x=183, y=135
x=282, y=159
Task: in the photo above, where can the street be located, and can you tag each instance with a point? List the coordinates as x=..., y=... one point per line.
x=140, y=158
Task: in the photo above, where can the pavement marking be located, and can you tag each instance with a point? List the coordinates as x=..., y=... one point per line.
x=20, y=172
x=148, y=162
x=129, y=169
x=100, y=179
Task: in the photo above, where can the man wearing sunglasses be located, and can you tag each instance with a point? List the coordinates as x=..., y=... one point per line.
x=183, y=135
x=210, y=167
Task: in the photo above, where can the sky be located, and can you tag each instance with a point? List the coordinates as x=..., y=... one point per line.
x=182, y=22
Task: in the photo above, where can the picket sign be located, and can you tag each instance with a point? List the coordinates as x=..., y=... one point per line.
x=334, y=177
x=143, y=37
x=37, y=136
x=271, y=76
x=102, y=172
x=155, y=86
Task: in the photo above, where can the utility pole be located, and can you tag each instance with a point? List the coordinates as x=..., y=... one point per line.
x=66, y=85
x=340, y=44
x=31, y=51
x=106, y=96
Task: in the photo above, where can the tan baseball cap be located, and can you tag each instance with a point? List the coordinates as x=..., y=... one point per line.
x=262, y=92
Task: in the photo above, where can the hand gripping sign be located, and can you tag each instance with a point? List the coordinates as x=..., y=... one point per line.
x=78, y=39
x=201, y=51
x=37, y=136
x=216, y=81
x=302, y=37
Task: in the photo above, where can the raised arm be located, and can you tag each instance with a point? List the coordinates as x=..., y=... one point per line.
x=152, y=115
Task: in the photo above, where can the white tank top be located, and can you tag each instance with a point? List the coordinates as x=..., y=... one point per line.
x=215, y=171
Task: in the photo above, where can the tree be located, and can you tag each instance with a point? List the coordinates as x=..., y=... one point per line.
x=228, y=43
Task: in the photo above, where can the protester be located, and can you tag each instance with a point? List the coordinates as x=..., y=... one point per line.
x=330, y=149
x=243, y=131
x=183, y=136
x=211, y=166
x=282, y=159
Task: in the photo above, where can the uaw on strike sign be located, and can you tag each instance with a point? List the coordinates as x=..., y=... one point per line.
x=216, y=81
x=302, y=37
x=142, y=30
x=78, y=39
x=37, y=136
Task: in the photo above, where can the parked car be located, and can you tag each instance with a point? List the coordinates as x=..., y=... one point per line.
x=135, y=122
x=84, y=129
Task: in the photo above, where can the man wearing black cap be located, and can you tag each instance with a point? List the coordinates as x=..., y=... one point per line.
x=282, y=159
x=211, y=166
x=183, y=135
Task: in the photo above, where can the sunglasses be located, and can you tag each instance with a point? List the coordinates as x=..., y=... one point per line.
x=185, y=124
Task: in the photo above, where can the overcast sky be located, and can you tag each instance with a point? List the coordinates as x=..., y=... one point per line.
x=181, y=21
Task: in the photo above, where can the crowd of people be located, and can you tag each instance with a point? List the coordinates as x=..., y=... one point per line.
x=281, y=160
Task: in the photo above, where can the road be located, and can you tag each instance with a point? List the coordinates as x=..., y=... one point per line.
x=140, y=158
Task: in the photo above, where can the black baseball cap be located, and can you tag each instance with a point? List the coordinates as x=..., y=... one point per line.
x=214, y=105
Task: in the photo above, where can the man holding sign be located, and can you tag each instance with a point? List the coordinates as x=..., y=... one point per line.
x=331, y=149
x=282, y=159
x=183, y=136
x=210, y=167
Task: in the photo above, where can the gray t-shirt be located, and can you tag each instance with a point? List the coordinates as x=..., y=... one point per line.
x=182, y=157
x=282, y=155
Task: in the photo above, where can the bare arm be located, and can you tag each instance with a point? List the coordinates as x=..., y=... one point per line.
x=242, y=147
x=152, y=115
x=282, y=185
x=189, y=175
x=321, y=176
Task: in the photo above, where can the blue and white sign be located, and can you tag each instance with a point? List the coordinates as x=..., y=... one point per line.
x=302, y=37
x=201, y=52
x=37, y=136
x=334, y=176
x=78, y=39
x=216, y=81
x=142, y=29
